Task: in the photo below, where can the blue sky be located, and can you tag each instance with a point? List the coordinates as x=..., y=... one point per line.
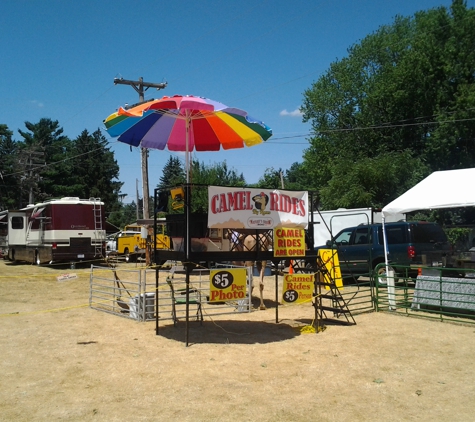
x=59, y=60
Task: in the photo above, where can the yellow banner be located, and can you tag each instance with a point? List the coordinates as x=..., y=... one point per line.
x=289, y=242
x=329, y=258
x=297, y=288
x=227, y=284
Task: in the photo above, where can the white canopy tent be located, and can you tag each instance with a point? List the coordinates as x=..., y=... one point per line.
x=442, y=189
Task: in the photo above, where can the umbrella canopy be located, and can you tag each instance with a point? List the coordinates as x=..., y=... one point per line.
x=186, y=123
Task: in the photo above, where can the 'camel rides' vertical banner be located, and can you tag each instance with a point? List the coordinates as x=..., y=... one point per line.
x=250, y=208
x=329, y=260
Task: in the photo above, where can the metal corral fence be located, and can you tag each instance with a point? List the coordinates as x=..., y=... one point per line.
x=131, y=293
x=446, y=294
x=359, y=295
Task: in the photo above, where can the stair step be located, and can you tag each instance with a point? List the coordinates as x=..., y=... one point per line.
x=330, y=296
x=332, y=309
x=321, y=283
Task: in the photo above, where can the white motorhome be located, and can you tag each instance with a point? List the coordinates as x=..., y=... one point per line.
x=61, y=230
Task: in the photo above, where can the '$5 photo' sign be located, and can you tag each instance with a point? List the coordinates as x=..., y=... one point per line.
x=227, y=284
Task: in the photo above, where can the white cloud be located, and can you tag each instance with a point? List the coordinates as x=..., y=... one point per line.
x=37, y=103
x=295, y=113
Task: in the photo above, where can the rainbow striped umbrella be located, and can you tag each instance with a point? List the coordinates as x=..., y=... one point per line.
x=186, y=123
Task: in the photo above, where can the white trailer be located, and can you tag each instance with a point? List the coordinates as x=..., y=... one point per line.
x=328, y=223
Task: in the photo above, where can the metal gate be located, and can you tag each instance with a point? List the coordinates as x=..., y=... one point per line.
x=135, y=293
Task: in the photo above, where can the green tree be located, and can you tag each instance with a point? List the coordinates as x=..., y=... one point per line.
x=9, y=170
x=173, y=173
x=370, y=181
x=403, y=96
x=95, y=171
x=272, y=179
x=296, y=178
x=47, y=136
x=123, y=214
x=217, y=174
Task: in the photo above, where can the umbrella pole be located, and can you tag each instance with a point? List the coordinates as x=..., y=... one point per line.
x=187, y=149
x=187, y=192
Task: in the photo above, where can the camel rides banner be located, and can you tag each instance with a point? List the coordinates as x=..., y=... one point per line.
x=253, y=208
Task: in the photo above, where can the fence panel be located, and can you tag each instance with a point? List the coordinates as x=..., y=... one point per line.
x=132, y=293
x=446, y=294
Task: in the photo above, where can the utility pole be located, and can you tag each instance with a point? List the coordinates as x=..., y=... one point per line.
x=139, y=87
x=34, y=161
x=137, y=199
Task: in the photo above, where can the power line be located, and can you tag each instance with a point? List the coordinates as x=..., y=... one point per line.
x=273, y=139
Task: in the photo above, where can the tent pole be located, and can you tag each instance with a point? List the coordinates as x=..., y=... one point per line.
x=389, y=274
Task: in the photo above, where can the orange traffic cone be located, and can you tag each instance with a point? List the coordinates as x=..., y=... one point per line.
x=291, y=267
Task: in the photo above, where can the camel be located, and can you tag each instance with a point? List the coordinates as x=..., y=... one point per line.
x=249, y=243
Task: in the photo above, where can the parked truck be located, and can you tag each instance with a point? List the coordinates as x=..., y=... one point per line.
x=132, y=240
x=328, y=223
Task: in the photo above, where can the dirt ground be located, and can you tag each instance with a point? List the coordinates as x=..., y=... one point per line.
x=61, y=360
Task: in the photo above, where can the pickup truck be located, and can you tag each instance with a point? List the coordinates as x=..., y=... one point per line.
x=361, y=248
x=132, y=241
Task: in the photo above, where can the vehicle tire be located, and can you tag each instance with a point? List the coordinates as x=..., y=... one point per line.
x=127, y=255
x=382, y=280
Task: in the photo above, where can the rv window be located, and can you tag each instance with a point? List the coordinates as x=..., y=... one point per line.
x=17, y=222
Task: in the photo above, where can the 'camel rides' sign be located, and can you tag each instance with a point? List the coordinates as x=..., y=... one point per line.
x=297, y=288
x=289, y=242
x=253, y=208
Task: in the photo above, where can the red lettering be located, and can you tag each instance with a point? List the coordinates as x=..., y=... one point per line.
x=248, y=200
x=214, y=208
x=286, y=203
x=302, y=208
x=223, y=203
x=219, y=295
x=240, y=200
x=274, y=201
x=295, y=201
x=231, y=201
